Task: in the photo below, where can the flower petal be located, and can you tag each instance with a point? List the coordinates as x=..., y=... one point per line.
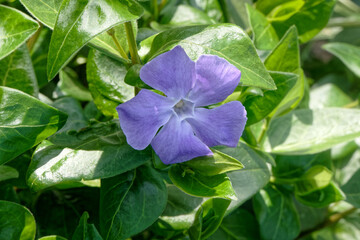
x=172, y=73
x=142, y=116
x=216, y=79
x=176, y=143
x=222, y=125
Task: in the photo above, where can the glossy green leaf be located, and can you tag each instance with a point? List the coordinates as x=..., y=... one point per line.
x=276, y=214
x=218, y=163
x=348, y=54
x=25, y=122
x=225, y=40
x=308, y=16
x=210, y=215
x=211, y=7
x=328, y=95
x=322, y=198
x=186, y=15
x=106, y=82
x=259, y=107
x=7, y=172
x=16, y=71
x=69, y=85
x=98, y=151
x=86, y=231
x=264, y=35
x=16, y=27
x=74, y=28
x=306, y=131
x=16, y=222
x=238, y=225
x=131, y=202
x=52, y=237
x=316, y=178
x=199, y=185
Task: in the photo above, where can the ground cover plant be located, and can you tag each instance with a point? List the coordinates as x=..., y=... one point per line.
x=179, y=119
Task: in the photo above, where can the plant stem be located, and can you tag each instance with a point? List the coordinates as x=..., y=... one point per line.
x=155, y=9
x=263, y=130
x=31, y=42
x=111, y=32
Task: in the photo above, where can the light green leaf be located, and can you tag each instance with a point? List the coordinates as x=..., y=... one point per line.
x=131, y=202
x=16, y=222
x=52, y=237
x=264, y=35
x=328, y=95
x=7, y=172
x=24, y=122
x=86, y=231
x=106, y=82
x=316, y=178
x=224, y=40
x=186, y=15
x=16, y=27
x=276, y=214
x=306, y=131
x=212, y=8
x=74, y=28
x=16, y=71
x=348, y=54
x=99, y=151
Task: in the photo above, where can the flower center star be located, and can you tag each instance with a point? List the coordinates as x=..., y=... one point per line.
x=184, y=109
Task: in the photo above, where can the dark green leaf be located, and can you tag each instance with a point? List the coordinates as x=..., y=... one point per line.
x=7, y=172
x=16, y=27
x=132, y=77
x=74, y=28
x=276, y=214
x=225, y=40
x=106, y=82
x=86, y=231
x=348, y=54
x=199, y=185
x=131, y=202
x=310, y=217
x=16, y=222
x=98, y=151
x=25, y=122
x=16, y=71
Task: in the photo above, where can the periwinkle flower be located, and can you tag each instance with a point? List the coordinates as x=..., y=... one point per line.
x=188, y=129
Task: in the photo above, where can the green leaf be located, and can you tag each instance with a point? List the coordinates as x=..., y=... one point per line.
x=348, y=54
x=212, y=8
x=7, y=172
x=131, y=202
x=106, y=82
x=259, y=107
x=69, y=85
x=323, y=197
x=306, y=131
x=25, y=122
x=186, y=15
x=249, y=180
x=316, y=178
x=239, y=225
x=216, y=164
x=52, y=237
x=74, y=28
x=132, y=77
x=99, y=151
x=276, y=214
x=310, y=217
x=308, y=16
x=16, y=71
x=199, y=185
x=86, y=231
x=224, y=40
x=328, y=95
x=264, y=35
x=16, y=27
x=16, y=222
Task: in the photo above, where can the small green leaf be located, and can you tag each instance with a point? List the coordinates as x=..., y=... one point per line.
x=199, y=185
x=16, y=71
x=328, y=95
x=16, y=222
x=74, y=29
x=224, y=40
x=306, y=131
x=316, y=178
x=7, y=172
x=348, y=54
x=186, y=15
x=24, y=122
x=85, y=231
x=106, y=82
x=276, y=214
x=265, y=37
x=52, y=237
x=16, y=27
x=131, y=202
x=218, y=163
x=132, y=77
x=99, y=151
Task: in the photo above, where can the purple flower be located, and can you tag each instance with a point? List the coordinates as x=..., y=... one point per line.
x=188, y=129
